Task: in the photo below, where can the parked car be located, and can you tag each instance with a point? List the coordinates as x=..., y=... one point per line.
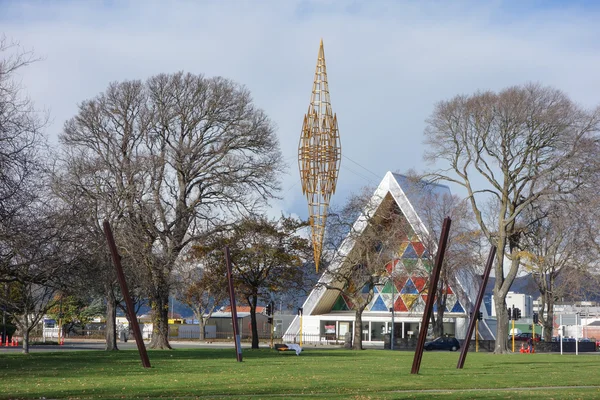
x=443, y=343
x=525, y=337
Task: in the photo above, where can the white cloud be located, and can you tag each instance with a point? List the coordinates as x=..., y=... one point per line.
x=388, y=62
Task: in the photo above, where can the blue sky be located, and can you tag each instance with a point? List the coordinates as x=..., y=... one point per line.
x=388, y=62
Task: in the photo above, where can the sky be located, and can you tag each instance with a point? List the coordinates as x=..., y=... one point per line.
x=388, y=62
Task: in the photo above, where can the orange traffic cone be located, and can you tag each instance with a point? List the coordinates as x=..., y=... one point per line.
x=522, y=349
x=62, y=340
x=15, y=342
x=7, y=342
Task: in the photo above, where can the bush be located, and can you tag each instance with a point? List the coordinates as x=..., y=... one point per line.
x=10, y=331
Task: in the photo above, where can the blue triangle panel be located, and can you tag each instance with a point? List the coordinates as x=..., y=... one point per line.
x=379, y=305
x=410, y=252
x=425, y=254
x=365, y=289
x=457, y=308
x=409, y=288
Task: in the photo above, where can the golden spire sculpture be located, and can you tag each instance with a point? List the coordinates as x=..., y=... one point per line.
x=319, y=155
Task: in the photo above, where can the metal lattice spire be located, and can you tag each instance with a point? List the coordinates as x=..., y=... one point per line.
x=319, y=155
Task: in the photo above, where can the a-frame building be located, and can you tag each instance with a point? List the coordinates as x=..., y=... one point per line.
x=328, y=314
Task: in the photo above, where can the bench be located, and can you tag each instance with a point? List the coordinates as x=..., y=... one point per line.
x=285, y=347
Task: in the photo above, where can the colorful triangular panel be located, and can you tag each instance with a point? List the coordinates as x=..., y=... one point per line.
x=409, y=300
x=419, y=248
x=402, y=247
x=340, y=304
x=388, y=287
x=409, y=288
x=419, y=282
x=348, y=301
x=457, y=308
x=410, y=265
x=399, y=305
x=427, y=264
x=409, y=252
x=379, y=305
x=418, y=305
x=400, y=282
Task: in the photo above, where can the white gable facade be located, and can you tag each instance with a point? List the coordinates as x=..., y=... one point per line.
x=327, y=314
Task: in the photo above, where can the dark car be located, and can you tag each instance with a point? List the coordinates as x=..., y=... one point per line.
x=442, y=343
x=525, y=336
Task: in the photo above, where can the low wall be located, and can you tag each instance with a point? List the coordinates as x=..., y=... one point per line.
x=489, y=345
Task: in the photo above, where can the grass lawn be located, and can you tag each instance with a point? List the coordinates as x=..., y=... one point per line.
x=316, y=373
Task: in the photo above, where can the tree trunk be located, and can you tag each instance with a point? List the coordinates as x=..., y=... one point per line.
x=252, y=302
x=110, y=334
x=201, y=325
x=160, y=321
x=357, y=340
x=25, y=341
x=502, y=324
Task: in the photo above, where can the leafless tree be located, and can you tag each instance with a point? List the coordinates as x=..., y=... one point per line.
x=517, y=146
x=176, y=156
x=21, y=150
x=202, y=284
x=558, y=251
x=462, y=261
x=371, y=229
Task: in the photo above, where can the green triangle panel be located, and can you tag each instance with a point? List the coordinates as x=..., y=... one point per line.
x=427, y=264
x=410, y=265
x=340, y=304
x=388, y=287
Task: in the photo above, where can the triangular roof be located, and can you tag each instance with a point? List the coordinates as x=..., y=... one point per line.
x=407, y=194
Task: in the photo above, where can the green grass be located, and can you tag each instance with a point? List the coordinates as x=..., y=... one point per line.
x=316, y=373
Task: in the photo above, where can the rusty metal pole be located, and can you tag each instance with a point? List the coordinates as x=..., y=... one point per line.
x=236, y=332
x=123, y=283
x=439, y=259
x=484, y=281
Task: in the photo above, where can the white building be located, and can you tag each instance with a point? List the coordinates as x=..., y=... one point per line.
x=524, y=302
x=328, y=315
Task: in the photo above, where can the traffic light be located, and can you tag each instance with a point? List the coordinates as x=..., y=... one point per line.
x=510, y=313
x=479, y=315
x=536, y=318
x=516, y=314
x=269, y=309
x=270, y=320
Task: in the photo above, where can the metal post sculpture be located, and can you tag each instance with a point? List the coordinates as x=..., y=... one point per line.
x=319, y=155
x=485, y=276
x=433, y=281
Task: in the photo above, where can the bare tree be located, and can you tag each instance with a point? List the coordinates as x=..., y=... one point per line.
x=516, y=146
x=559, y=254
x=374, y=250
x=463, y=250
x=203, y=284
x=177, y=156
